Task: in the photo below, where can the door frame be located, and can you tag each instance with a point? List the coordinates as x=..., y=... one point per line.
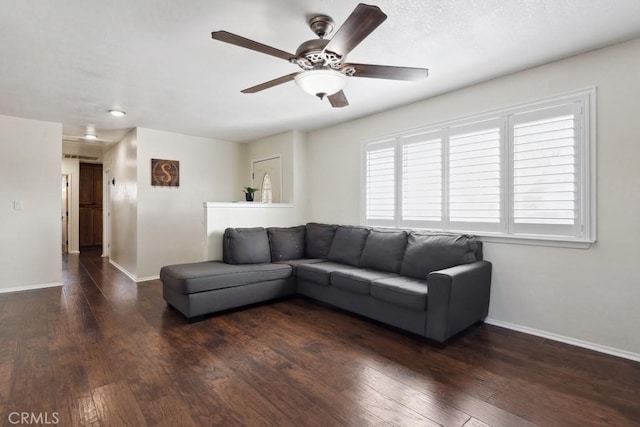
x=66, y=217
x=106, y=211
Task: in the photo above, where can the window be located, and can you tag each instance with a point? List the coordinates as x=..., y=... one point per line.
x=523, y=172
x=546, y=171
x=474, y=178
x=266, y=192
x=380, y=182
x=422, y=179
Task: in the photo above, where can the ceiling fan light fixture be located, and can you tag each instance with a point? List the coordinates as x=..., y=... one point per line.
x=321, y=83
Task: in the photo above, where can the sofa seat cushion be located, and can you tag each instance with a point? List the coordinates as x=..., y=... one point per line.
x=295, y=263
x=402, y=291
x=320, y=273
x=211, y=275
x=357, y=280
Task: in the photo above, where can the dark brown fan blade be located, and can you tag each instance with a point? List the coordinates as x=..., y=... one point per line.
x=338, y=100
x=389, y=72
x=227, y=37
x=362, y=21
x=270, y=83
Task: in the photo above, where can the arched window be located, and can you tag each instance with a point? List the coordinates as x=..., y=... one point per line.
x=265, y=191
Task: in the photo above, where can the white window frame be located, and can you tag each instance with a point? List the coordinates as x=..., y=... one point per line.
x=504, y=233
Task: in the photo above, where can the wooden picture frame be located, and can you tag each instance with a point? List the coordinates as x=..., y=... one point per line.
x=165, y=173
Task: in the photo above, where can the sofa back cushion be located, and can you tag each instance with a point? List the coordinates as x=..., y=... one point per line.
x=427, y=252
x=319, y=238
x=347, y=245
x=286, y=243
x=245, y=246
x=384, y=250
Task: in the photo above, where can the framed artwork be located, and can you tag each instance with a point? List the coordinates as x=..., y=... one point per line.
x=165, y=173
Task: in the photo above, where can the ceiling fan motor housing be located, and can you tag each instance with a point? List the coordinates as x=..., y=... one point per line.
x=311, y=55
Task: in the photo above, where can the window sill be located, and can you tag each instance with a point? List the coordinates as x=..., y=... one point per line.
x=513, y=239
x=550, y=241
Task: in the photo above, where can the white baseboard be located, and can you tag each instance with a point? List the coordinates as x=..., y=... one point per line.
x=30, y=287
x=124, y=270
x=146, y=279
x=131, y=276
x=567, y=340
x=73, y=252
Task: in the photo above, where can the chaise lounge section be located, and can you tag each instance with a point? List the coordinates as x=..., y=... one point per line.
x=431, y=284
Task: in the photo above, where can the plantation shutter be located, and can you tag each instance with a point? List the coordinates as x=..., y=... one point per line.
x=475, y=176
x=524, y=172
x=546, y=171
x=380, y=183
x=421, y=180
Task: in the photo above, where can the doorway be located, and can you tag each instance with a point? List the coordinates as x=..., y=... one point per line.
x=90, y=200
x=266, y=175
x=65, y=213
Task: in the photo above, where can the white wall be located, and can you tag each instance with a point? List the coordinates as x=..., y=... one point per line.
x=276, y=145
x=71, y=167
x=122, y=162
x=588, y=295
x=299, y=175
x=170, y=220
x=30, y=253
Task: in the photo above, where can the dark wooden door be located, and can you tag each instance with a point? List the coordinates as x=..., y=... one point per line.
x=97, y=185
x=90, y=197
x=96, y=229
x=86, y=226
x=86, y=184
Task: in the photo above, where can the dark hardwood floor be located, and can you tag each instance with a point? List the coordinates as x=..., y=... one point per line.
x=104, y=351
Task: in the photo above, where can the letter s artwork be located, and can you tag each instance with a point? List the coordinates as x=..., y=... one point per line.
x=165, y=173
x=165, y=168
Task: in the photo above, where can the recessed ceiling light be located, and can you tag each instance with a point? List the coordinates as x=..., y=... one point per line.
x=117, y=113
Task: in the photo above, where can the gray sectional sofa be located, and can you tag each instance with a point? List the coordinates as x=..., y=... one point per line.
x=431, y=284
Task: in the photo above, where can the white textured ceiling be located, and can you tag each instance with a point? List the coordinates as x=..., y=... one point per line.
x=70, y=61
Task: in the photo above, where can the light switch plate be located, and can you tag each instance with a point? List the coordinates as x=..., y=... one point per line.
x=18, y=205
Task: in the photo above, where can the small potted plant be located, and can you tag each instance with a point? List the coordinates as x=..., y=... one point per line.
x=249, y=192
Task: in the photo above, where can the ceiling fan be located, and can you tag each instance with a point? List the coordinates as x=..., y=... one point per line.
x=324, y=70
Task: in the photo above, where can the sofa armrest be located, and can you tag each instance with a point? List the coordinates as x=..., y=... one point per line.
x=457, y=298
